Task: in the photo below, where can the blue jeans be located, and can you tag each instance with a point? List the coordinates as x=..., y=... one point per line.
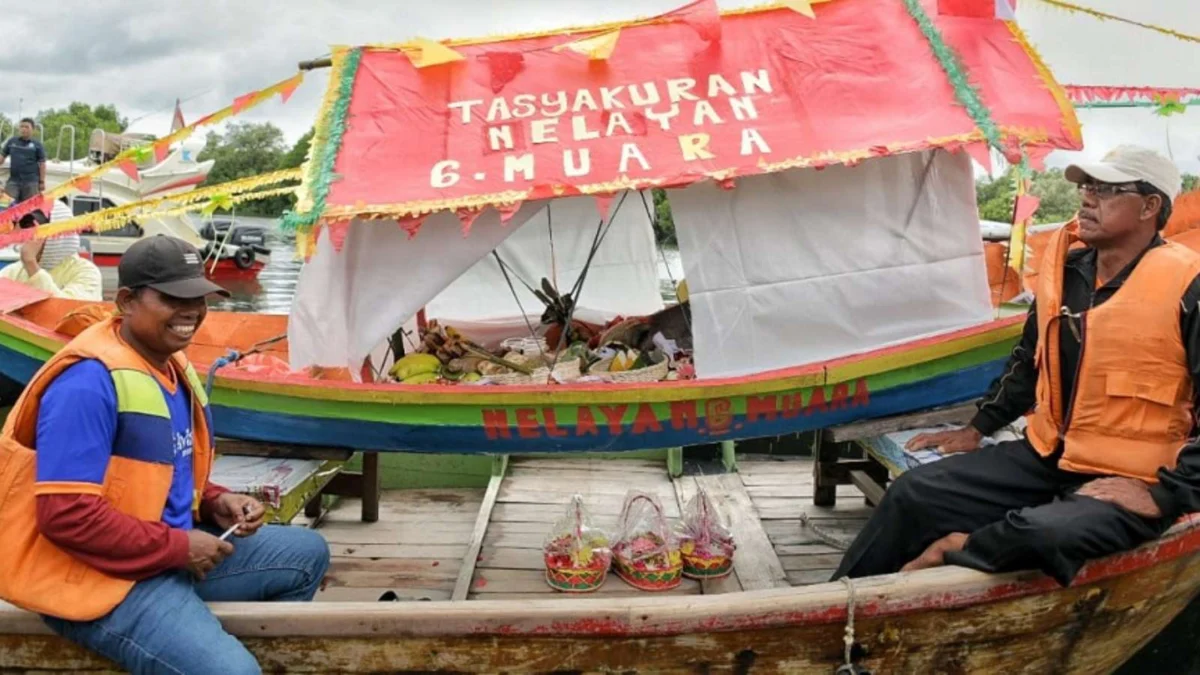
x=163, y=625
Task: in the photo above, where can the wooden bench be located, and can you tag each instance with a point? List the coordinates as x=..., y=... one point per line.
x=288, y=478
x=872, y=471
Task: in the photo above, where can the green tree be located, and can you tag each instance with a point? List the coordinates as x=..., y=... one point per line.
x=299, y=152
x=246, y=149
x=664, y=221
x=1190, y=182
x=1060, y=198
x=84, y=118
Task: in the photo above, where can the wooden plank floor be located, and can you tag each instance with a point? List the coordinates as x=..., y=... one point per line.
x=416, y=549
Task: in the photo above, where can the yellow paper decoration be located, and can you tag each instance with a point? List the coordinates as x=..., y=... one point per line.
x=424, y=53
x=597, y=48
x=801, y=6
x=1103, y=15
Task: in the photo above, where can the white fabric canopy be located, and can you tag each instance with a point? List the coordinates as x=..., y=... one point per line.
x=804, y=266
x=554, y=244
x=347, y=303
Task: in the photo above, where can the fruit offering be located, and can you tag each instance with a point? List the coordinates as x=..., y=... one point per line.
x=646, y=553
x=705, y=540
x=576, y=553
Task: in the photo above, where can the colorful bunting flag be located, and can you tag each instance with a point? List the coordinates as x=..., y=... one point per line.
x=338, y=230
x=801, y=7
x=597, y=48
x=129, y=168
x=83, y=184
x=424, y=53
x=288, y=87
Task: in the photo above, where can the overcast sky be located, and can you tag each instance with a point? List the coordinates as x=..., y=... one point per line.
x=142, y=54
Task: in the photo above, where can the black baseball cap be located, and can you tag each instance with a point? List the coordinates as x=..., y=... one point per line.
x=168, y=265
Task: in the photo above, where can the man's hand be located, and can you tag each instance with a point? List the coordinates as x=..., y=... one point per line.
x=947, y=442
x=30, y=252
x=935, y=555
x=205, y=552
x=231, y=508
x=1130, y=494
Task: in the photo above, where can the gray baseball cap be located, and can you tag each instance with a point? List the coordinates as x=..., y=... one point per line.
x=1130, y=164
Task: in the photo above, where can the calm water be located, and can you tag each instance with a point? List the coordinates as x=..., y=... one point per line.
x=275, y=287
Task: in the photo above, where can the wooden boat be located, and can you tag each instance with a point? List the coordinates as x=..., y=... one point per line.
x=490, y=610
x=298, y=409
x=471, y=560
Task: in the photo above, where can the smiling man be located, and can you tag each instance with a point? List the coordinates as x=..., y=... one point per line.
x=111, y=527
x=1109, y=365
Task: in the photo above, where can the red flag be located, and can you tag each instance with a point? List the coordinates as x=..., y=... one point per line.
x=507, y=211
x=289, y=87
x=411, y=225
x=503, y=67
x=981, y=153
x=337, y=234
x=467, y=218
x=177, y=122
x=603, y=202
x=242, y=102
x=129, y=168
x=161, y=150
x=83, y=184
x=1026, y=206
x=702, y=15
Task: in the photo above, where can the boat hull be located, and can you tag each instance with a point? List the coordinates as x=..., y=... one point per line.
x=297, y=409
x=948, y=620
x=225, y=267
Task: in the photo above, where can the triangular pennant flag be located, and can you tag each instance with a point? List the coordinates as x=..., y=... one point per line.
x=411, y=225
x=338, y=231
x=1025, y=207
x=129, y=168
x=597, y=48
x=507, y=211
x=289, y=87
x=1037, y=157
x=83, y=184
x=467, y=218
x=602, y=203
x=702, y=15
x=161, y=150
x=801, y=7
x=423, y=53
x=503, y=67
x=242, y=102
x=981, y=153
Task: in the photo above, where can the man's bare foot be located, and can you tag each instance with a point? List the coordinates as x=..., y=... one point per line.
x=935, y=555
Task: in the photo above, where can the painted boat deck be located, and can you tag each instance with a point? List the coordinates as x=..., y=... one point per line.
x=419, y=547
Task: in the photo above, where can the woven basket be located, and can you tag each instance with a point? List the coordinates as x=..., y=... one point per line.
x=563, y=576
x=700, y=567
x=652, y=373
x=627, y=569
x=565, y=371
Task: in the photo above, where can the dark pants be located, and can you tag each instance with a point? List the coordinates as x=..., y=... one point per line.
x=1019, y=509
x=21, y=190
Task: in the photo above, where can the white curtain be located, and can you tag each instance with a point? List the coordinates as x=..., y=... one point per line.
x=347, y=303
x=554, y=244
x=804, y=266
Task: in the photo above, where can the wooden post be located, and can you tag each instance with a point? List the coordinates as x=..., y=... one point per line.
x=370, y=487
x=466, y=572
x=729, y=456
x=675, y=462
x=825, y=458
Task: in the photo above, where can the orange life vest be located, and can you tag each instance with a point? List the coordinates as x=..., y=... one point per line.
x=1132, y=407
x=35, y=573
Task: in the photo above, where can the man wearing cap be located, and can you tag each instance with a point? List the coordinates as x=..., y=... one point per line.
x=111, y=527
x=1107, y=369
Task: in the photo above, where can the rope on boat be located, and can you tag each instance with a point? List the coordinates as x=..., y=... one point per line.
x=832, y=540
x=849, y=667
x=233, y=356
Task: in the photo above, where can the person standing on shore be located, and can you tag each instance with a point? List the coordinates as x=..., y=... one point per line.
x=27, y=168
